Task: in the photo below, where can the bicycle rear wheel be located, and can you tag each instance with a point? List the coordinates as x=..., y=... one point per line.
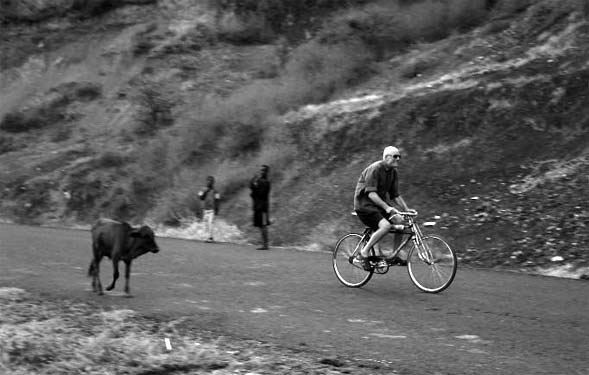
x=348, y=273
x=432, y=265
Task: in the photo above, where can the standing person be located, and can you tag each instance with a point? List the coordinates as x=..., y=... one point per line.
x=376, y=191
x=260, y=193
x=210, y=198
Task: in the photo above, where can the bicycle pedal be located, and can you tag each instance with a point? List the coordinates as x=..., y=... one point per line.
x=381, y=264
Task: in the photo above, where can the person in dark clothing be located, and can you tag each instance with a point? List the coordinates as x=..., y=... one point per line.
x=260, y=193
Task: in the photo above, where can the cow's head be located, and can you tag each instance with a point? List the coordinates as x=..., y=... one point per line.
x=147, y=239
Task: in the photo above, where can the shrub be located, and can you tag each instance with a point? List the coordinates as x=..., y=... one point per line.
x=325, y=68
x=195, y=39
x=545, y=14
x=32, y=199
x=155, y=169
x=31, y=11
x=417, y=66
x=178, y=201
x=154, y=111
x=245, y=29
x=236, y=125
x=110, y=159
x=68, y=92
x=386, y=26
x=49, y=108
x=143, y=47
x=240, y=139
x=87, y=91
x=509, y=7
x=277, y=15
x=62, y=133
x=7, y=144
x=35, y=10
x=144, y=40
x=86, y=190
x=20, y=122
x=91, y=8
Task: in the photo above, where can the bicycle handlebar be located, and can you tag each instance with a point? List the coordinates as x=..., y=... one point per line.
x=403, y=213
x=409, y=215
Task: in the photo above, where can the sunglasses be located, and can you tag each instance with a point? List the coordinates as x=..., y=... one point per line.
x=396, y=156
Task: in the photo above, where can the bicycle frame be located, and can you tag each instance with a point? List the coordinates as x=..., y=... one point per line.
x=411, y=228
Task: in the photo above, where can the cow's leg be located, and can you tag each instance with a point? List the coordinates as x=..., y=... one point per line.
x=127, y=276
x=96, y=277
x=115, y=273
x=91, y=274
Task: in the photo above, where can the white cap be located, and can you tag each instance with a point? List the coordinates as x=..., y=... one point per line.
x=390, y=150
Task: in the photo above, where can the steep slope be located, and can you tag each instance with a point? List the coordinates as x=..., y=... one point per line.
x=111, y=115
x=86, y=113
x=495, y=148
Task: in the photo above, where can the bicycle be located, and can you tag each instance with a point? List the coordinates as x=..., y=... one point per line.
x=431, y=262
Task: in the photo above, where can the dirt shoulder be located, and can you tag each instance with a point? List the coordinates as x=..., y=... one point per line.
x=42, y=336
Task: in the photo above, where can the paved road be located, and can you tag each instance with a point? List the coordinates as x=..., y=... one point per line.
x=485, y=323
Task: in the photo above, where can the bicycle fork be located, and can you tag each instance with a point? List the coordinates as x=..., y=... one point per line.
x=423, y=251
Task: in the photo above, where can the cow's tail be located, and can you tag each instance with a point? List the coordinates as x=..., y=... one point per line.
x=91, y=269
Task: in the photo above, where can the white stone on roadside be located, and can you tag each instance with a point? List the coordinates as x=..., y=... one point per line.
x=556, y=258
x=429, y=224
x=258, y=310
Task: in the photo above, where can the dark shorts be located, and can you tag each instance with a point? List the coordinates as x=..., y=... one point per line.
x=370, y=219
x=261, y=218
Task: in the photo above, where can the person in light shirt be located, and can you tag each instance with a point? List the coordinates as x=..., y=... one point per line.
x=377, y=190
x=210, y=203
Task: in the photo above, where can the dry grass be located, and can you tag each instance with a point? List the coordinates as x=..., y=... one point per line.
x=44, y=337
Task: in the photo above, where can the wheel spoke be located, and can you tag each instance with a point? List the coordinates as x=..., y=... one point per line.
x=349, y=273
x=432, y=266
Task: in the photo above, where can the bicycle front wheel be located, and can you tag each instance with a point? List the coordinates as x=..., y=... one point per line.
x=432, y=264
x=347, y=272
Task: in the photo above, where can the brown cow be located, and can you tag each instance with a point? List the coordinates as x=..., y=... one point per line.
x=118, y=241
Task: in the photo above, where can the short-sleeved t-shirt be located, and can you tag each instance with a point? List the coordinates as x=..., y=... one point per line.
x=379, y=178
x=210, y=198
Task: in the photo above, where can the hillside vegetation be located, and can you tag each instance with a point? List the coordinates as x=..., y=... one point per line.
x=122, y=109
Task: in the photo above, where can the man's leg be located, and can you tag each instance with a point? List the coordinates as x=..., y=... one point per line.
x=383, y=228
x=397, y=237
x=208, y=217
x=211, y=223
x=264, y=231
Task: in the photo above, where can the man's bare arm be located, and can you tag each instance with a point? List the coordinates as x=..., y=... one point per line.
x=380, y=203
x=401, y=202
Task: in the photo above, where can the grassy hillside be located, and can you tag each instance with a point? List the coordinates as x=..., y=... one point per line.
x=123, y=112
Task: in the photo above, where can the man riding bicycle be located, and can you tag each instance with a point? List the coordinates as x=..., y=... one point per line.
x=377, y=188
